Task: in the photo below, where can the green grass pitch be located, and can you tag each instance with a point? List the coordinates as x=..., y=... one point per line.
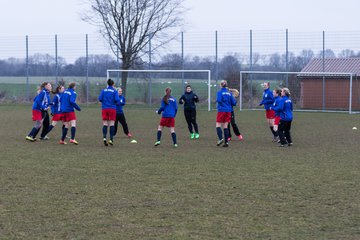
x=251, y=190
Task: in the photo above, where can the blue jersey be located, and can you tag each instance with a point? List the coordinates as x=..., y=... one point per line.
x=276, y=103
x=68, y=101
x=268, y=99
x=168, y=110
x=120, y=104
x=225, y=100
x=42, y=100
x=284, y=108
x=109, y=97
x=56, y=104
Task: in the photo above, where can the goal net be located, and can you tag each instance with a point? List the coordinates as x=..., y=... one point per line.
x=310, y=91
x=147, y=86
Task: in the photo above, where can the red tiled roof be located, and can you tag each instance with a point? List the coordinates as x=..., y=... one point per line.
x=343, y=65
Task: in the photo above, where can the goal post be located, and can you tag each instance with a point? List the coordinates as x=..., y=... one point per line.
x=180, y=76
x=313, y=91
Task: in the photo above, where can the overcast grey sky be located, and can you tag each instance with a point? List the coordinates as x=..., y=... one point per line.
x=47, y=17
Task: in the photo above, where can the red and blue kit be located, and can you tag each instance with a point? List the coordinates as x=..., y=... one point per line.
x=109, y=98
x=68, y=104
x=277, y=113
x=55, y=108
x=41, y=102
x=268, y=101
x=168, y=112
x=225, y=102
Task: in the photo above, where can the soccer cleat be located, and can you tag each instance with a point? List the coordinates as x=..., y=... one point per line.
x=290, y=144
x=175, y=145
x=157, y=143
x=220, y=142
x=226, y=145
x=74, y=141
x=281, y=145
x=129, y=135
x=105, y=142
x=197, y=136
x=30, y=138
x=62, y=142
x=275, y=139
x=192, y=135
x=44, y=138
x=111, y=142
x=240, y=137
x=229, y=139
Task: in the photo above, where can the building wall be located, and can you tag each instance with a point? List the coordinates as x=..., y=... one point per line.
x=336, y=94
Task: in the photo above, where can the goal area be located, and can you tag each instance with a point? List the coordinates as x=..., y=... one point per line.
x=147, y=86
x=310, y=91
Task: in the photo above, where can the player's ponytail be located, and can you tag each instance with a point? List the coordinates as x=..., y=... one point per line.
x=167, y=95
x=57, y=89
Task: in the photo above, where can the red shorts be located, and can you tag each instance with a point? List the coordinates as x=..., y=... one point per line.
x=69, y=116
x=223, y=117
x=57, y=117
x=167, y=122
x=109, y=114
x=277, y=120
x=36, y=115
x=270, y=114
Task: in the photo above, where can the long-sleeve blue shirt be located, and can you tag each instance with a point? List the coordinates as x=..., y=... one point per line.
x=168, y=110
x=42, y=100
x=120, y=105
x=68, y=101
x=276, y=103
x=56, y=104
x=268, y=99
x=109, y=97
x=225, y=100
x=285, y=108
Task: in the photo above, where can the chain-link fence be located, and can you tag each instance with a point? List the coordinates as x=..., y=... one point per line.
x=26, y=61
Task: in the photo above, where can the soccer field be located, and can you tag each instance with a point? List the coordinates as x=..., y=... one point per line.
x=251, y=190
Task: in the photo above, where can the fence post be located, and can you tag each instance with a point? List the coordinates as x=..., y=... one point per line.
x=56, y=60
x=117, y=61
x=250, y=67
x=216, y=57
x=323, y=69
x=27, y=68
x=287, y=58
x=150, y=82
x=182, y=59
x=87, y=69
x=350, y=94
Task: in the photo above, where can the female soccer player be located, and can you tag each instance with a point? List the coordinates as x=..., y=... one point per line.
x=225, y=102
x=189, y=99
x=232, y=123
x=120, y=116
x=55, y=108
x=168, y=109
x=268, y=101
x=41, y=102
x=67, y=106
x=109, y=98
x=285, y=109
x=277, y=98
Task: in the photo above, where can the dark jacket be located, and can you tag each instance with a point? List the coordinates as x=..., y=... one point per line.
x=189, y=99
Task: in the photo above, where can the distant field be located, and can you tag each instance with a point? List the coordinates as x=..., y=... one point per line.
x=251, y=190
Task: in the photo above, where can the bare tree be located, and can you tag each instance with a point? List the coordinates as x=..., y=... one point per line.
x=129, y=25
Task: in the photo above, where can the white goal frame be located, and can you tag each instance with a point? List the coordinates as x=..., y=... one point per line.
x=350, y=75
x=170, y=71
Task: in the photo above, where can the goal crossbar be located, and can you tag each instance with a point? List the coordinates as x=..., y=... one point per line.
x=170, y=71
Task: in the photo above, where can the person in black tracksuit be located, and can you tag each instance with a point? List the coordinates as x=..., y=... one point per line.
x=189, y=99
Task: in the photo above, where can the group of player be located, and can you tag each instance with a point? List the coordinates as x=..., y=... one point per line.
x=277, y=104
x=279, y=108
x=62, y=108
